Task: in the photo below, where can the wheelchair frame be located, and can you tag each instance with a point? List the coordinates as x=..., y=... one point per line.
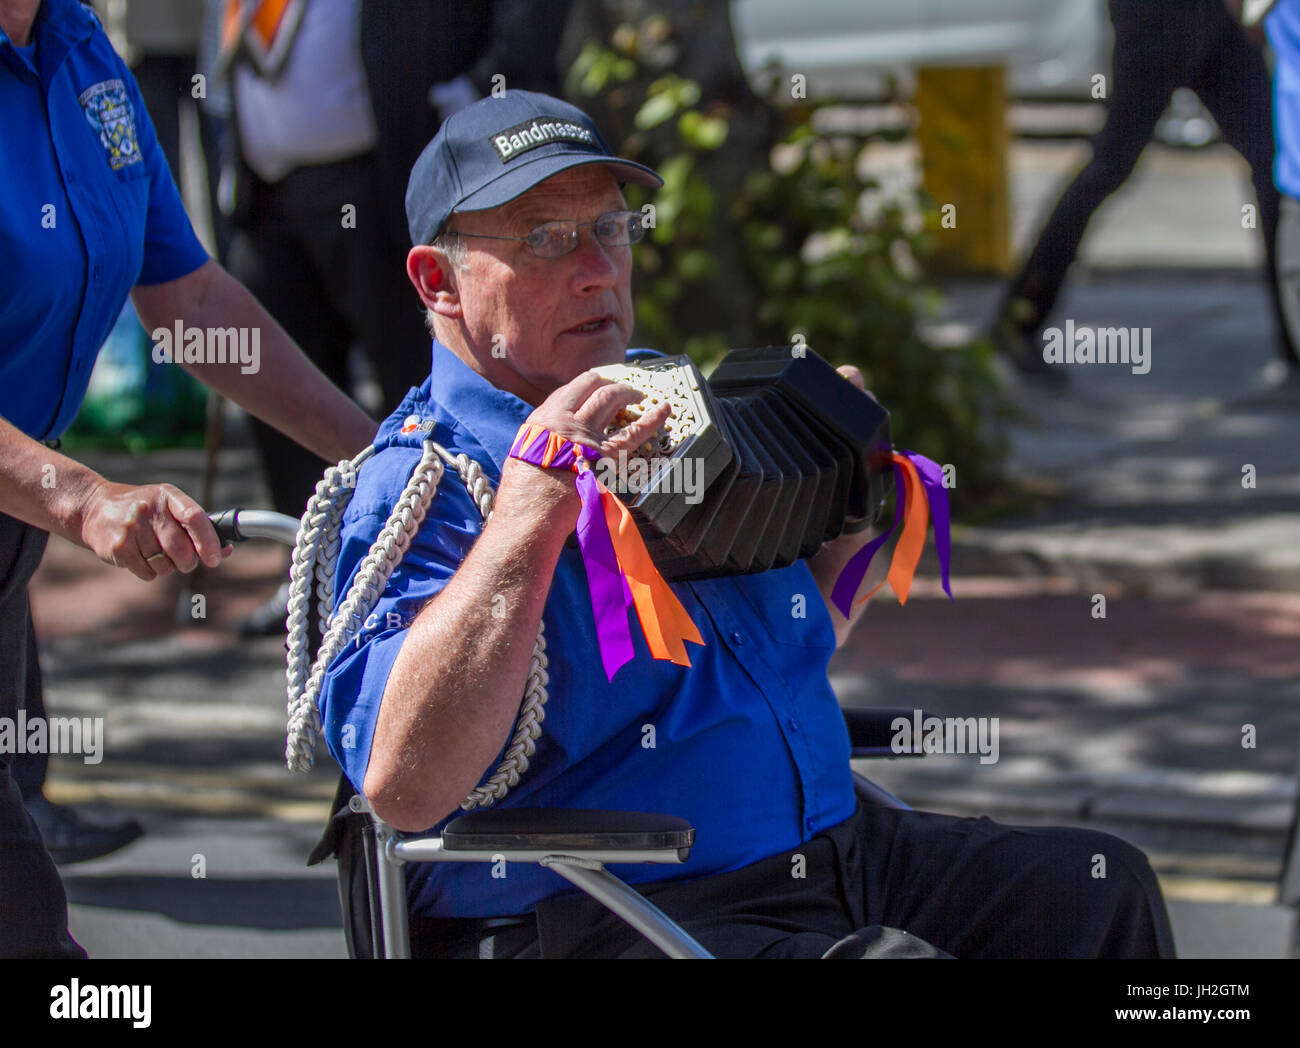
x=574, y=844
x=578, y=855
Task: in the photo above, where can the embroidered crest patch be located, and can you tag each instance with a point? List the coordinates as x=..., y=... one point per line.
x=108, y=111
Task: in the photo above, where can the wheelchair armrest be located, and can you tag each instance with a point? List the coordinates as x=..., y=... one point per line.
x=566, y=830
x=871, y=730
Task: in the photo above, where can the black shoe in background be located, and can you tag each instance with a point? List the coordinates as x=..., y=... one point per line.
x=71, y=837
x=1025, y=352
x=1281, y=375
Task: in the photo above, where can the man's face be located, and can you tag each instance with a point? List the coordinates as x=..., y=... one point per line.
x=533, y=324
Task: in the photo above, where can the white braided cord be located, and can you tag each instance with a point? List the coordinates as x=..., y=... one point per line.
x=316, y=552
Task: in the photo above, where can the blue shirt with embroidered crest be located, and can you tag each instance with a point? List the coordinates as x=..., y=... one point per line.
x=88, y=209
x=748, y=743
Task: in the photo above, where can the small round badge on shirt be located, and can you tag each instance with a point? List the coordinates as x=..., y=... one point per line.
x=414, y=422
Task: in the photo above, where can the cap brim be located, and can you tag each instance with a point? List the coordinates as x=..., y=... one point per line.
x=519, y=180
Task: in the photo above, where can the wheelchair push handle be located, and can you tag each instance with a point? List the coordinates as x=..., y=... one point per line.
x=239, y=525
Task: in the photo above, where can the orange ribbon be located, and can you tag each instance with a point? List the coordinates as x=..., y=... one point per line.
x=619, y=569
x=916, y=515
x=663, y=618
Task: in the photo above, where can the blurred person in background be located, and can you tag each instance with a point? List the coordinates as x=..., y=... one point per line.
x=1160, y=45
x=333, y=101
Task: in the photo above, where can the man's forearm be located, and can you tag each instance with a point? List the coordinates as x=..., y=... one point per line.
x=287, y=390
x=456, y=685
x=42, y=487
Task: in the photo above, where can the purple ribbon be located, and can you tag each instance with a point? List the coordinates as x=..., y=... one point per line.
x=566, y=456
x=611, y=599
x=932, y=480
x=846, y=586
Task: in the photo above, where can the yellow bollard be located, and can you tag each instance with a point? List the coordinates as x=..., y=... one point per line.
x=964, y=144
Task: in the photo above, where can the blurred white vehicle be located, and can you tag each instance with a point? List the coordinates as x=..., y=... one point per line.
x=849, y=48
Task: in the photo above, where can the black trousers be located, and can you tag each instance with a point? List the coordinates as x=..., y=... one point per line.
x=970, y=887
x=1160, y=46
x=331, y=278
x=33, y=905
x=1288, y=265
x=29, y=769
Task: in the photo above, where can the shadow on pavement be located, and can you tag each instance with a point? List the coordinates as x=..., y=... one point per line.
x=271, y=903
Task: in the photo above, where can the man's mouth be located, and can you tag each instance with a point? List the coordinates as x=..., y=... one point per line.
x=591, y=327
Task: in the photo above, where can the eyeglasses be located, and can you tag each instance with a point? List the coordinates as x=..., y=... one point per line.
x=557, y=239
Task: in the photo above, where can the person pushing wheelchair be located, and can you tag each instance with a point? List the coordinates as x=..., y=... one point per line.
x=522, y=260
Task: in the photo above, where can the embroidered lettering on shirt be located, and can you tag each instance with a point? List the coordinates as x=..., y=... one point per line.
x=109, y=113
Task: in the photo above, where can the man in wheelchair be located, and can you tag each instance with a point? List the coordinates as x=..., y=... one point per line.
x=522, y=259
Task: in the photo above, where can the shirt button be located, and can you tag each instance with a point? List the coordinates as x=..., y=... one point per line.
x=807, y=825
x=737, y=639
x=794, y=726
x=99, y=271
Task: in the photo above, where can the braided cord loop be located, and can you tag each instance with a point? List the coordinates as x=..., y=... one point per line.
x=315, y=555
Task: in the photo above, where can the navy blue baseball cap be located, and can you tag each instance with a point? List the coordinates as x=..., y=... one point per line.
x=497, y=149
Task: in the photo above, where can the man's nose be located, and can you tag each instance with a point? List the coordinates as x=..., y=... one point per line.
x=594, y=265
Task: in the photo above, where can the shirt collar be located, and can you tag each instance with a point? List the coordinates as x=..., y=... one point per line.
x=491, y=416
x=482, y=419
x=58, y=26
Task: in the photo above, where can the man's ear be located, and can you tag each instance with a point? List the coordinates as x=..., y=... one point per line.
x=433, y=276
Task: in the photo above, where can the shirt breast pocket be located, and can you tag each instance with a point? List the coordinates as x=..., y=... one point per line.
x=790, y=607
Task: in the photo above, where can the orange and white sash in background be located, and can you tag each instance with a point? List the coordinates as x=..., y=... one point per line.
x=264, y=30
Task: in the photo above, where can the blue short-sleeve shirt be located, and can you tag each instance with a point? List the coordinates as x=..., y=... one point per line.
x=748, y=743
x=88, y=209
